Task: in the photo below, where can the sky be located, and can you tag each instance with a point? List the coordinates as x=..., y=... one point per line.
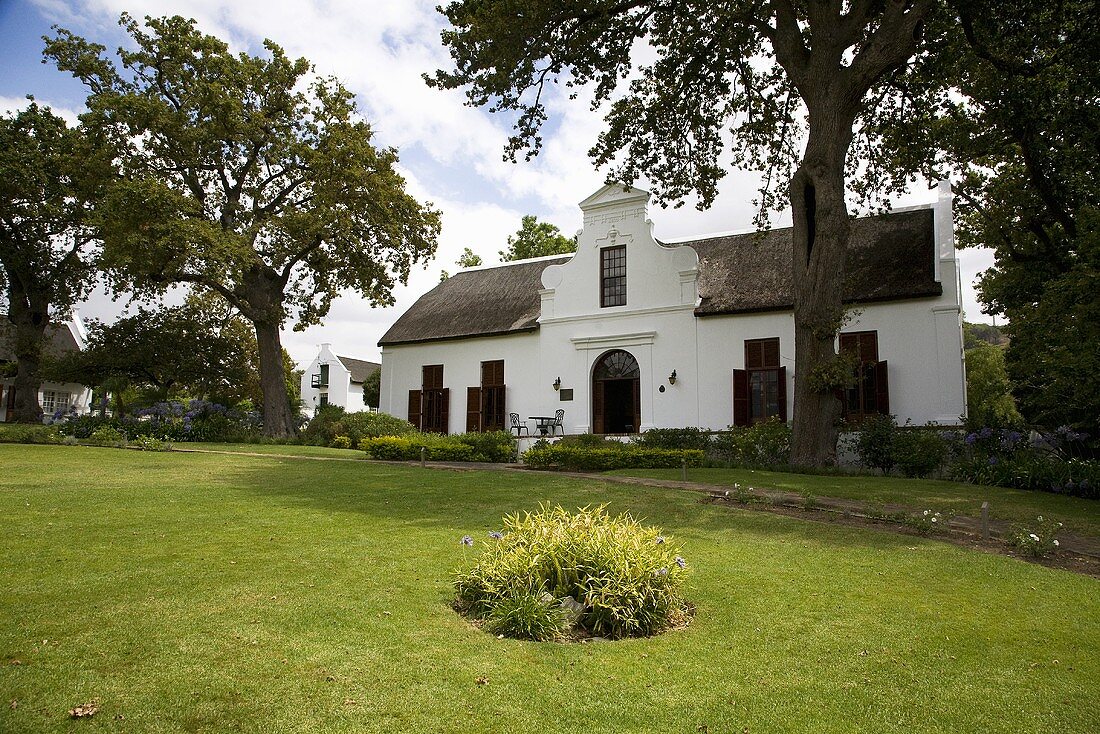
x=451, y=155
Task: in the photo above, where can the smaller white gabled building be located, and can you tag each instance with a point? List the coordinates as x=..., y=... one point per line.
x=630, y=333
x=334, y=380
x=54, y=397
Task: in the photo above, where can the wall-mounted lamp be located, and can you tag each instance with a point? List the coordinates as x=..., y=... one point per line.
x=557, y=384
x=672, y=378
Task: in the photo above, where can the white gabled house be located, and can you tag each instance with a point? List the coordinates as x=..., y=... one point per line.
x=333, y=380
x=54, y=397
x=630, y=333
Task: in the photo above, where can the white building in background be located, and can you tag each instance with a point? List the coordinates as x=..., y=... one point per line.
x=333, y=380
x=629, y=333
x=62, y=338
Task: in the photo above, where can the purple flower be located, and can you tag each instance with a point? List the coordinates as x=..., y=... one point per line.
x=467, y=540
x=681, y=562
x=993, y=461
x=971, y=438
x=659, y=540
x=661, y=572
x=986, y=432
x=496, y=535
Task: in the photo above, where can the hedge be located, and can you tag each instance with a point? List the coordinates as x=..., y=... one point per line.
x=603, y=459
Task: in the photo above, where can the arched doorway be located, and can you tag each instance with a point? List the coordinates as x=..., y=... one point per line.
x=616, y=397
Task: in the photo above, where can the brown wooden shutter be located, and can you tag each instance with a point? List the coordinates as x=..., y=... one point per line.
x=868, y=346
x=740, y=397
x=473, y=410
x=414, y=407
x=782, y=393
x=445, y=411
x=769, y=352
x=882, y=388
x=754, y=354
x=597, y=407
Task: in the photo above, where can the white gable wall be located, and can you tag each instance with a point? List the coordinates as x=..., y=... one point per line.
x=340, y=391
x=921, y=339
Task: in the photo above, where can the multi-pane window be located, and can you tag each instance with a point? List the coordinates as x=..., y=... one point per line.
x=760, y=390
x=869, y=393
x=53, y=401
x=613, y=276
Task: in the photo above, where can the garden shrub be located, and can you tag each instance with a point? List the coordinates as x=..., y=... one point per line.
x=625, y=456
x=29, y=433
x=617, y=577
x=763, y=445
x=493, y=446
x=407, y=448
x=586, y=439
x=341, y=442
x=332, y=421
x=674, y=438
x=196, y=420
x=108, y=436
x=919, y=452
x=875, y=444
x=1037, y=540
x=529, y=614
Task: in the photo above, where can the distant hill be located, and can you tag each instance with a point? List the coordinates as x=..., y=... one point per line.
x=979, y=335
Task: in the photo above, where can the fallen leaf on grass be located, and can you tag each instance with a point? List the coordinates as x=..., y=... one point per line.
x=84, y=710
x=482, y=680
x=350, y=702
x=14, y=704
x=16, y=661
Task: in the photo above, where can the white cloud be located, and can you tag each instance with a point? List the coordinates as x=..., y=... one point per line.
x=12, y=105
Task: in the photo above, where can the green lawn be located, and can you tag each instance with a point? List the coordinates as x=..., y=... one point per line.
x=275, y=449
x=212, y=593
x=1079, y=515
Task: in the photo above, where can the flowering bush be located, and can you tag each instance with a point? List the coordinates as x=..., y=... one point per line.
x=196, y=420
x=1046, y=463
x=614, y=576
x=1038, y=541
x=927, y=522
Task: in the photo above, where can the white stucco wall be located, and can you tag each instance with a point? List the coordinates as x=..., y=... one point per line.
x=341, y=390
x=920, y=338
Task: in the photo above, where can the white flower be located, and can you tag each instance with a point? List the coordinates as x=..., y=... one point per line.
x=1034, y=537
x=1055, y=543
x=926, y=513
x=1040, y=518
x=934, y=519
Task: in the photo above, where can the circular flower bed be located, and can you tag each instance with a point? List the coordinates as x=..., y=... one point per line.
x=552, y=574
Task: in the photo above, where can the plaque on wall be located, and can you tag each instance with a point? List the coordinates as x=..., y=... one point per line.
x=565, y=394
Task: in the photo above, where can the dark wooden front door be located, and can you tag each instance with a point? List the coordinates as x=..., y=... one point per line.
x=616, y=394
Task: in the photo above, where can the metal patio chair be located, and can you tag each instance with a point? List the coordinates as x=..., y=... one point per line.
x=520, y=427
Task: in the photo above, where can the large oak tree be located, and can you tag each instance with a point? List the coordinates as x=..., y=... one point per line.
x=49, y=176
x=246, y=175
x=770, y=72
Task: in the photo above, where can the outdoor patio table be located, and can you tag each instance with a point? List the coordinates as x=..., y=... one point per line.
x=542, y=422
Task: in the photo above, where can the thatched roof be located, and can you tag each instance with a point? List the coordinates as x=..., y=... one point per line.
x=60, y=340
x=482, y=302
x=890, y=257
x=360, y=369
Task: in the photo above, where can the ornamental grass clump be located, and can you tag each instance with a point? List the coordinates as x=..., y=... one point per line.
x=604, y=576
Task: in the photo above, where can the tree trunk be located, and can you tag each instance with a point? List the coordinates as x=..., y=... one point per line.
x=30, y=320
x=821, y=230
x=278, y=419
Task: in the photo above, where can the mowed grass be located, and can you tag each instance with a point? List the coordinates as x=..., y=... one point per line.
x=212, y=593
x=1014, y=505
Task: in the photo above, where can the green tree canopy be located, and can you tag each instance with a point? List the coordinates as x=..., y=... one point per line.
x=201, y=349
x=49, y=176
x=468, y=259
x=747, y=80
x=1009, y=105
x=372, y=389
x=537, y=239
x=247, y=176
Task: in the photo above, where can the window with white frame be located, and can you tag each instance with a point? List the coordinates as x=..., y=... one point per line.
x=53, y=401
